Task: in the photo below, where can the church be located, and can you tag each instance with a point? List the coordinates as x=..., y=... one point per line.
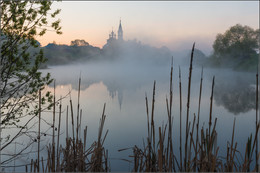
x=112, y=36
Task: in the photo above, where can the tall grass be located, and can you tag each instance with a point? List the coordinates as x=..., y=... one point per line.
x=256, y=121
x=75, y=156
x=201, y=149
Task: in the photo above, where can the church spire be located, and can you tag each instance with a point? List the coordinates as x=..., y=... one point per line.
x=120, y=31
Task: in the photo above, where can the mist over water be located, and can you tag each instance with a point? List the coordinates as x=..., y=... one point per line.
x=117, y=70
x=122, y=85
x=235, y=91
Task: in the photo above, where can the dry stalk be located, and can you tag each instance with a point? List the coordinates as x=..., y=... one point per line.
x=180, y=119
x=53, y=131
x=39, y=132
x=188, y=108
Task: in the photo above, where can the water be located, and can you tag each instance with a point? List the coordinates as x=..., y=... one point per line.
x=122, y=86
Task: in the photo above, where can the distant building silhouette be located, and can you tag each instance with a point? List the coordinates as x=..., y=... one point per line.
x=120, y=32
x=112, y=36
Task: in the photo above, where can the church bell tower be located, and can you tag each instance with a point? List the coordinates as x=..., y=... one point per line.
x=120, y=32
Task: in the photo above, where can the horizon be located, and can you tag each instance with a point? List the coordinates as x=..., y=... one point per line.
x=173, y=24
x=157, y=96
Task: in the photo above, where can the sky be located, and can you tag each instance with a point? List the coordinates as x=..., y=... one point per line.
x=174, y=24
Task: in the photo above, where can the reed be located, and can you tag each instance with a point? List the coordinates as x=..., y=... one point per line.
x=198, y=121
x=157, y=154
x=180, y=119
x=39, y=131
x=256, y=122
x=170, y=120
x=67, y=122
x=201, y=149
x=58, y=139
x=77, y=127
x=188, y=109
x=75, y=156
x=53, y=130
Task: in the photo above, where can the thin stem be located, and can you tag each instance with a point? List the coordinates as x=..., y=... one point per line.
x=180, y=119
x=39, y=132
x=188, y=108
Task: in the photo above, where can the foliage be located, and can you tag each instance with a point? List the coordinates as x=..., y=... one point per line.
x=237, y=46
x=238, y=41
x=64, y=54
x=21, y=23
x=80, y=51
x=78, y=42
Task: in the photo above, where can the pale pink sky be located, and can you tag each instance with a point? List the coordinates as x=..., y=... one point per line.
x=173, y=24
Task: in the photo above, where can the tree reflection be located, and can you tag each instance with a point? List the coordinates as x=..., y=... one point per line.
x=237, y=95
x=235, y=91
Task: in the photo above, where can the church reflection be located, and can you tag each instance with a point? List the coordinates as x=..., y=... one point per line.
x=114, y=89
x=236, y=93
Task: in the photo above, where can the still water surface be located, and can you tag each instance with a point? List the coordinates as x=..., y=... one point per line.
x=123, y=87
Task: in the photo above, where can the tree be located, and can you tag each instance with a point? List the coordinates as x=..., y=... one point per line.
x=239, y=43
x=21, y=23
x=78, y=42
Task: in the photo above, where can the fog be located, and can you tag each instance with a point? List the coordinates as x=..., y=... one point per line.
x=121, y=79
x=131, y=67
x=236, y=91
x=123, y=82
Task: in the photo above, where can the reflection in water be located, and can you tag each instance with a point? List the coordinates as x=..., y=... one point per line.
x=115, y=77
x=236, y=93
x=113, y=88
x=101, y=82
x=115, y=91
